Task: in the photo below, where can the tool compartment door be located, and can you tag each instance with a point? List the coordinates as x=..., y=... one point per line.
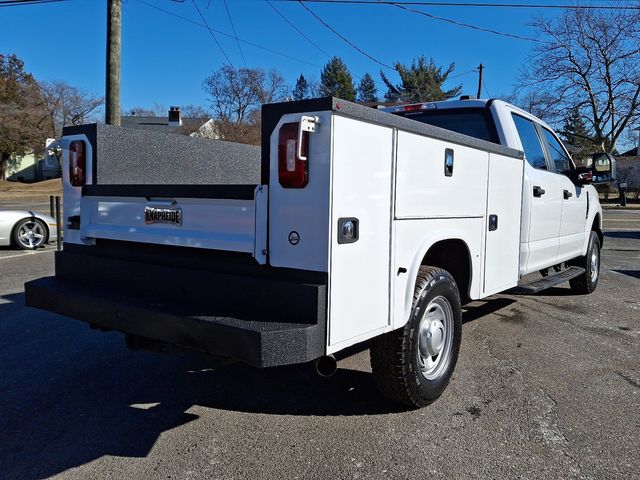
x=502, y=223
x=359, y=271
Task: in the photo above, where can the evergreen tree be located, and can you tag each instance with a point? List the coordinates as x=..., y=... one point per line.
x=420, y=82
x=301, y=90
x=367, y=90
x=336, y=81
x=574, y=131
x=20, y=112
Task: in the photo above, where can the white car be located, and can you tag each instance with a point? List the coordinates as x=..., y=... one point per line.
x=25, y=229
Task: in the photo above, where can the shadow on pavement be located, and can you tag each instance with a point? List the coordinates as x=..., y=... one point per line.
x=72, y=395
x=630, y=273
x=478, y=309
x=621, y=234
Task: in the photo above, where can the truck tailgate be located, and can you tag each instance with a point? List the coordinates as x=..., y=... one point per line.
x=134, y=214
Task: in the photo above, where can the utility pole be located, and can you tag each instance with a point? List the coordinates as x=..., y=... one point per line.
x=114, y=33
x=480, y=69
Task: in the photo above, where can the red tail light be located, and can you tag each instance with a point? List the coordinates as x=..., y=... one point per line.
x=412, y=108
x=292, y=171
x=416, y=107
x=77, y=163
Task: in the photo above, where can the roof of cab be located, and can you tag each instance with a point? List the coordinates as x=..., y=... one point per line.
x=441, y=104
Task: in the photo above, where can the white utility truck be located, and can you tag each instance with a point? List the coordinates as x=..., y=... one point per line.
x=350, y=225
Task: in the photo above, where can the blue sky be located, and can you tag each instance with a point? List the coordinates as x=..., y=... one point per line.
x=165, y=58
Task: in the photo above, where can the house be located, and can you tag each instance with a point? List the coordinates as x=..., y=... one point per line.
x=34, y=167
x=174, y=123
x=629, y=168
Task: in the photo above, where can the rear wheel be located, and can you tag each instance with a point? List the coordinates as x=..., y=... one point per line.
x=588, y=281
x=29, y=234
x=413, y=365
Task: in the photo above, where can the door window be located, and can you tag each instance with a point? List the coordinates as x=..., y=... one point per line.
x=530, y=140
x=558, y=155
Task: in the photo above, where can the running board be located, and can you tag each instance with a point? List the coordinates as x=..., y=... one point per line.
x=548, y=282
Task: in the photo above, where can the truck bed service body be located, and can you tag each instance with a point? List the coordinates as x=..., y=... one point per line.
x=350, y=224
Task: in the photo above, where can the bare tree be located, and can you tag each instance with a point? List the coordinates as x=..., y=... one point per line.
x=139, y=112
x=236, y=93
x=236, y=97
x=158, y=110
x=195, y=111
x=632, y=139
x=535, y=101
x=64, y=105
x=247, y=132
x=589, y=60
x=315, y=88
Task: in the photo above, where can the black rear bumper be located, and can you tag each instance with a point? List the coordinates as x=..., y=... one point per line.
x=262, y=318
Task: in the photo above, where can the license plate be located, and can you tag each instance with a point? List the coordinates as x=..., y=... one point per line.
x=170, y=215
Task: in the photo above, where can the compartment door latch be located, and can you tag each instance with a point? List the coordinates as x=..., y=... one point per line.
x=307, y=124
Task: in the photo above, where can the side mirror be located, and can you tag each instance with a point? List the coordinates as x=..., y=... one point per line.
x=583, y=175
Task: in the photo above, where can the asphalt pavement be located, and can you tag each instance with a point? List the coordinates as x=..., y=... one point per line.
x=547, y=386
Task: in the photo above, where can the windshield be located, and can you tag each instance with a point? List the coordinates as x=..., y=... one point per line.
x=475, y=122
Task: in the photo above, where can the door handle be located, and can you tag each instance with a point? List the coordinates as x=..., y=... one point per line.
x=538, y=191
x=567, y=194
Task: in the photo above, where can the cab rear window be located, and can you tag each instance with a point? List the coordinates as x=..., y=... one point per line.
x=475, y=122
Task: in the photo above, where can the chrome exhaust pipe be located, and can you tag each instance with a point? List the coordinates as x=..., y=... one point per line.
x=326, y=366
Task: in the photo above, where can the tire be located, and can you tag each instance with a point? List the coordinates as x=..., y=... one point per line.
x=403, y=365
x=588, y=281
x=29, y=234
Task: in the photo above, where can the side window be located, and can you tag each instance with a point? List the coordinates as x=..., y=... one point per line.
x=533, y=151
x=558, y=155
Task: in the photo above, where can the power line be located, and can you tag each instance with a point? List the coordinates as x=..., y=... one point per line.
x=401, y=6
x=484, y=84
x=20, y=3
x=344, y=38
x=461, y=74
x=460, y=24
x=233, y=28
x=304, y=35
x=211, y=32
x=297, y=29
x=247, y=42
x=481, y=5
